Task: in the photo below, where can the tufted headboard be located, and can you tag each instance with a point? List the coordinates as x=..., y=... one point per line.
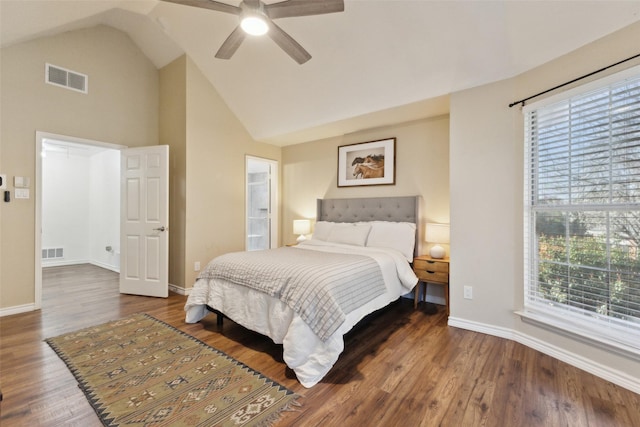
x=395, y=209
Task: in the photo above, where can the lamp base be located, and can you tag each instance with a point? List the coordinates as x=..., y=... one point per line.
x=301, y=238
x=437, y=252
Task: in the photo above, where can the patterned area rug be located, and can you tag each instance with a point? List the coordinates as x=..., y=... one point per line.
x=139, y=371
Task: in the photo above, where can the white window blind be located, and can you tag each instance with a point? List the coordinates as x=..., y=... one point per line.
x=582, y=210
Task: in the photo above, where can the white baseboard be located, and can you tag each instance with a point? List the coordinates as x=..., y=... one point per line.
x=105, y=266
x=605, y=372
x=179, y=290
x=46, y=264
x=77, y=262
x=17, y=309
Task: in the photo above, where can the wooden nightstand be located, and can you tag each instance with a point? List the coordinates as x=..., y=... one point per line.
x=431, y=270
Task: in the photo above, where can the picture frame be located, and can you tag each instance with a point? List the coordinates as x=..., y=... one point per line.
x=367, y=163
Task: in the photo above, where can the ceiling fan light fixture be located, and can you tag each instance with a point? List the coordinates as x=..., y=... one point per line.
x=254, y=25
x=256, y=18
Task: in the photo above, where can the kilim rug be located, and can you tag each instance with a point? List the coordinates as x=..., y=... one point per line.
x=139, y=371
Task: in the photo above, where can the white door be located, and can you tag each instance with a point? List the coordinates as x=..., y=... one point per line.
x=144, y=221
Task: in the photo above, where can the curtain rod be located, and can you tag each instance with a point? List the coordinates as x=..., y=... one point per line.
x=522, y=101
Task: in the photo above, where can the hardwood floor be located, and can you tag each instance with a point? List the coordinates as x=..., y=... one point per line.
x=402, y=367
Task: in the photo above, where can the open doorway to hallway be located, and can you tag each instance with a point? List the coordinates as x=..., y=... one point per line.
x=77, y=204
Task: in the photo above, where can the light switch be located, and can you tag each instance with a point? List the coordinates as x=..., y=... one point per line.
x=22, y=193
x=21, y=182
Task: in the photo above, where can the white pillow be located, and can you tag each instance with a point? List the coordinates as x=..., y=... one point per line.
x=321, y=230
x=349, y=233
x=396, y=235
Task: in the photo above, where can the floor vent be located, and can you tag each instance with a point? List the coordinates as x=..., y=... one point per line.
x=53, y=253
x=62, y=77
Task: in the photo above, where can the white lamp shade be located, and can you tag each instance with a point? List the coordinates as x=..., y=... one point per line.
x=301, y=227
x=437, y=233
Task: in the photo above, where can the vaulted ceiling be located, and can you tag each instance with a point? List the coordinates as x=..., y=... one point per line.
x=379, y=62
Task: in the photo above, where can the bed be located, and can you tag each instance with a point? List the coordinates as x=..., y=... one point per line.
x=364, y=247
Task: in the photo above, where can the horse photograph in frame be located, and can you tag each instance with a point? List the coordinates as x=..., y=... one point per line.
x=367, y=163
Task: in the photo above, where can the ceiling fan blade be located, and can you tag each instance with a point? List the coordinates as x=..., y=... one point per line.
x=290, y=8
x=288, y=44
x=209, y=4
x=231, y=44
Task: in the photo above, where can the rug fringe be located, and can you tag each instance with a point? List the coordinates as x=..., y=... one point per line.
x=273, y=419
x=289, y=407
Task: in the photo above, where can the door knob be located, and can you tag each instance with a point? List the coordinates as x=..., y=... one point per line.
x=160, y=229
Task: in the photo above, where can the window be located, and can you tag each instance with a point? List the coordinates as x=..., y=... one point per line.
x=582, y=211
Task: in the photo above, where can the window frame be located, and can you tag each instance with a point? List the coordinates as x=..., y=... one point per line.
x=602, y=330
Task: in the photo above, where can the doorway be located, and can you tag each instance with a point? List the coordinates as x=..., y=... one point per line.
x=77, y=204
x=261, y=205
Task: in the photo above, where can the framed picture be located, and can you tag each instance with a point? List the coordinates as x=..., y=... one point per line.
x=367, y=163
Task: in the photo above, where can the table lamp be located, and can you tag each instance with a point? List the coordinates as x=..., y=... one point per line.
x=437, y=233
x=301, y=227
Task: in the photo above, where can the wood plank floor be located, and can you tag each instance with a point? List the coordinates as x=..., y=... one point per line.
x=402, y=367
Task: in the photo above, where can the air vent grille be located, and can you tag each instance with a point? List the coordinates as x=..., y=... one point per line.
x=51, y=253
x=62, y=77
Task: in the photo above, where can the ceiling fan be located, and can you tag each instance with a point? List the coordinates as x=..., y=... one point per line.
x=256, y=18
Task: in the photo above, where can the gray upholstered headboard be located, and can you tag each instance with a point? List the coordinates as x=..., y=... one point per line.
x=395, y=209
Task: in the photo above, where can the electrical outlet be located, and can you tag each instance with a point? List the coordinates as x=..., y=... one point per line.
x=196, y=266
x=468, y=292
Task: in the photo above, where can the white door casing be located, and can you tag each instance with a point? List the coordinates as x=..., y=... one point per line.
x=41, y=137
x=144, y=220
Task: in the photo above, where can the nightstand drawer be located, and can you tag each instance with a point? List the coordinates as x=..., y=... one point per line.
x=434, y=266
x=431, y=270
x=432, y=276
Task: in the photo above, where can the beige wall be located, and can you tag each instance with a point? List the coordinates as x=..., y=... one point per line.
x=422, y=168
x=121, y=108
x=173, y=132
x=209, y=198
x=487, y=203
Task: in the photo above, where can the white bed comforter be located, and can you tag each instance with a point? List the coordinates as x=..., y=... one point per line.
x=305, y=353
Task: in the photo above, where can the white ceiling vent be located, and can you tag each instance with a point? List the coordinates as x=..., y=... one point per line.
x=59, y=76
